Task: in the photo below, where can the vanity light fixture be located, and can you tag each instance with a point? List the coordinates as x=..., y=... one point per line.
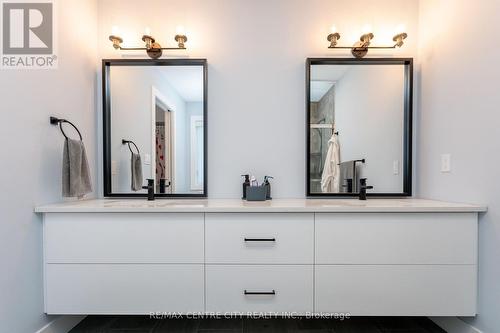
x=152, y=48
x=361, y=47
x=333, y=37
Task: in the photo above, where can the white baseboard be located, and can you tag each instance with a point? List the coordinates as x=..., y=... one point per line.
x=62, y=324
x=454, y=325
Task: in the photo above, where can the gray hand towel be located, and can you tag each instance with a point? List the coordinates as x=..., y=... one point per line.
x=347, y=171
x=136, y=171
x=75, y=172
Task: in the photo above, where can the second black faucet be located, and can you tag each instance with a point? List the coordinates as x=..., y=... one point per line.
x=151, y=189
x=362, y=188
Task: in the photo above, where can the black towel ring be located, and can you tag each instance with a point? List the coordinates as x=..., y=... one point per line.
x=58, y=121
x=128, y=142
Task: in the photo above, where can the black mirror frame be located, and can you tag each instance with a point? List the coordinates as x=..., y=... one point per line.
x=106, y=122
x=407, y=130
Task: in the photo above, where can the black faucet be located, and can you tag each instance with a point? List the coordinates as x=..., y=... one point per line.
x=151, y=189
x=362, y=188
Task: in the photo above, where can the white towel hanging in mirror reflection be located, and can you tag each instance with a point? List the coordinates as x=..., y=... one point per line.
x=330, y=179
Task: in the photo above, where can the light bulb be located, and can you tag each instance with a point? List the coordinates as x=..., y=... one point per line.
x=180, y=30
x=333, y=29
x=147, y=31
x=367, y=28
x=400, y=29
x=115, y=31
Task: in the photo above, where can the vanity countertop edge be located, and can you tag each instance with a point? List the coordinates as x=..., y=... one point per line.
x=272, y=206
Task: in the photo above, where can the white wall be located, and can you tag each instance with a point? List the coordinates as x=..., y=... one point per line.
x=256, y=52
x=370, y=122
x=459, y=115
x=32, y=157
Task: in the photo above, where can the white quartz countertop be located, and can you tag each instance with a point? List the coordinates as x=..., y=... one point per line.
x=275, y=205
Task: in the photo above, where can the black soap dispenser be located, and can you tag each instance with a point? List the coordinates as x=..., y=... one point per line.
x=267, y=185
x=245, y=184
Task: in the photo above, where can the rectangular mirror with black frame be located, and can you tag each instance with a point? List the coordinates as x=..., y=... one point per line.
x=155, y=127
x=359, y=126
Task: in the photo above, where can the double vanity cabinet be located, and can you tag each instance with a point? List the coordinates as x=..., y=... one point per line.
x=405, y=257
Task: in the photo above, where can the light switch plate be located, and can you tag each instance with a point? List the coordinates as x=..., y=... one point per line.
x=147, y=159
x=114, y=168
x=445, y=163
x=395, y=167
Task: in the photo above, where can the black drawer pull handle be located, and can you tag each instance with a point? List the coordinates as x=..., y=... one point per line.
x=246, y=292
x=260, y=239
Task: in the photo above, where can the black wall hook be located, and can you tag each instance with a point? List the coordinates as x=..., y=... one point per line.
x=128, y=142
x=60, y=121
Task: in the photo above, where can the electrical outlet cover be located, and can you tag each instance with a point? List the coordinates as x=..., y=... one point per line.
x=147, y=159
x=445, y=163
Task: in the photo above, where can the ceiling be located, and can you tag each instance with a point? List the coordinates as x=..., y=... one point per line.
x=323, y=77
x=319, y=89
x=186, y=80
x=328, y=72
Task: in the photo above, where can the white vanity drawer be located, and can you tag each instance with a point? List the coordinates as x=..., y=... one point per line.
x=396, y=238
x=124, y=238
x=257, y=238
x=259, y=288
x=396, y=290
x=123, y=288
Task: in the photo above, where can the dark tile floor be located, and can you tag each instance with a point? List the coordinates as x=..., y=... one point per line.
x=143, y=324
